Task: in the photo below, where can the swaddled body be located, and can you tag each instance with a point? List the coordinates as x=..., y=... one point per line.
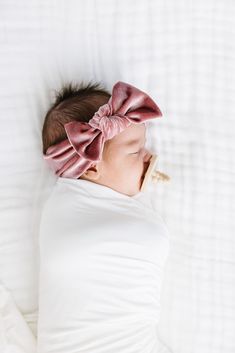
x=102, y=257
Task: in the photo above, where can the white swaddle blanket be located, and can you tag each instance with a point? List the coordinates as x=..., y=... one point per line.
x=102, y=258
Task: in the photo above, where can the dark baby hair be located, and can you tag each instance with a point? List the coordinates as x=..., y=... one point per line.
x=74, y=101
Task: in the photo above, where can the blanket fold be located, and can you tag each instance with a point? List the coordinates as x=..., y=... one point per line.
x=15, y=334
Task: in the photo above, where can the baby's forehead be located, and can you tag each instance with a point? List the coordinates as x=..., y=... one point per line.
x=135, y=133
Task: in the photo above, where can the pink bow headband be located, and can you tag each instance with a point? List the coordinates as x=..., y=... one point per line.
x=70, y=158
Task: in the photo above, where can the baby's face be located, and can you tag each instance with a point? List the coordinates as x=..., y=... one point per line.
x=125, y=161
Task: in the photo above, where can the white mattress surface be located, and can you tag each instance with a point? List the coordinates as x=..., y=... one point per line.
x=182, y=54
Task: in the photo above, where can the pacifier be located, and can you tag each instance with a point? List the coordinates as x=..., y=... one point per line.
x=152, y=175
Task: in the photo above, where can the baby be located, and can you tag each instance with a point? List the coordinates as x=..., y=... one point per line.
x=102, y=250
x=119, y=139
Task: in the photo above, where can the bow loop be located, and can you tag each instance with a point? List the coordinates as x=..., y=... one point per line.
x=86, y=140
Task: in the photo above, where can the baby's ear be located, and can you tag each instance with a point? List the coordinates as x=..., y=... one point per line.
x=92, y=173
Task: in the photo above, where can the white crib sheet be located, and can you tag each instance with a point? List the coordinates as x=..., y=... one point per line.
x=182, y=54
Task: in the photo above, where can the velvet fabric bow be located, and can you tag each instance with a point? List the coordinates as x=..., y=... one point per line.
x=72, y=157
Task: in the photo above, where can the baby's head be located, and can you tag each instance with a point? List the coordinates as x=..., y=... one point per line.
x=125, y=159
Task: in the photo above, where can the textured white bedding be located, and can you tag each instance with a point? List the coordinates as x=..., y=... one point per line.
x=15, y=334
x=182, y=54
